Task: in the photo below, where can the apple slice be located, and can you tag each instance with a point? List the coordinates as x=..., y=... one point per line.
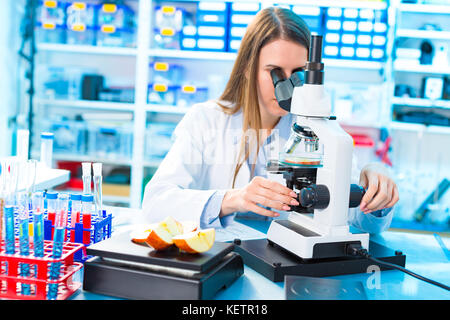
x=140, y=234
x=159, y=237
x=189, y=226
x=172, y=225
x=196, y=241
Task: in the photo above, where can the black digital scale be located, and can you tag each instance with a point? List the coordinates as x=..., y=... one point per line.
x=125, y=269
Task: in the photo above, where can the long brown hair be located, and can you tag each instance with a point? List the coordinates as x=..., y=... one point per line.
x=241, y=90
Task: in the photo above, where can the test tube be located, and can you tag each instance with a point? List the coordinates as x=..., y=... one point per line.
x=37, y=201
x=24, y=242
x=86, y=171
x=10, y=241
x=97, y=167
x=47, y=148
x=86, y=212
x=74, y=214
x=58, y=241
x=51, y=206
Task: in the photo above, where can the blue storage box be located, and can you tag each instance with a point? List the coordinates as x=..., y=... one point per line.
x=116, y=26
x=352, y=33
x=162, y=93
x=187, y=95
x=80, y=22
x=312, y=15
x=50, y=22
x=241, y=14
x=212, y=13
x=166, y=73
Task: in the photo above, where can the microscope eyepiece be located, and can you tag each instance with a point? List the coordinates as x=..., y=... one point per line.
x=314, y=67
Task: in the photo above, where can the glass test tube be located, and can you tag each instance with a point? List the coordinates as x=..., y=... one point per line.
x=86, y=172
x=58, y=242
x=86, y=212
x=97, y=167
x=24, y=242
x=51, y=206
x=37, y=201
x=75, y=213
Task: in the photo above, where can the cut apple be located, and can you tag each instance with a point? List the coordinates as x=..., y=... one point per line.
x=196, y=241
x=159, y=238
x=172, y=225
x=140, y=234
x=189, y=226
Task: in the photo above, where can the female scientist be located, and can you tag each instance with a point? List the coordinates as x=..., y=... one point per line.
x=215, y=169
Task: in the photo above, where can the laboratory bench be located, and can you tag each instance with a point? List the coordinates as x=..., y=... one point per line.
x=426, y=255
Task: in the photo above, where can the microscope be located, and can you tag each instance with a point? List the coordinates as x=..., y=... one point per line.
x=316, y=163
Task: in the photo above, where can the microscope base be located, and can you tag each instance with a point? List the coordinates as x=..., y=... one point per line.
x=274, y=262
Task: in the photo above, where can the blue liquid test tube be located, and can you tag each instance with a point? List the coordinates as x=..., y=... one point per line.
x=38, y=223
x=24, y=240
x=10, y=240
x=58, y=242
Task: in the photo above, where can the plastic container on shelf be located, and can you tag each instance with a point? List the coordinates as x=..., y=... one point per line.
x=187, y=95
x=50, y=24
x=111, y=141
x=80, y=22
x=211, y=21
x=161, y=93
x=116, y=26
x=69, y=136
x=168, y=23
x=158, y=140
x=164, y=72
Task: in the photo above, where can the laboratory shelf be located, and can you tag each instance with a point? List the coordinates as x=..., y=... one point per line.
x=151, y=107
x=87, y=104
x=191, y=54
x=376, y=5
x=353, y=64
x=414, y=67
x=423, y=34
x=86, y=158
x=424, y=8
x=68, y=48
x=420, y=102
x=417, y=127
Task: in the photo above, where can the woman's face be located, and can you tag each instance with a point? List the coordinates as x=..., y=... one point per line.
x=286, y=55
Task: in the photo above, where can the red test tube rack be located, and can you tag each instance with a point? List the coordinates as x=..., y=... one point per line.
x=38, y=280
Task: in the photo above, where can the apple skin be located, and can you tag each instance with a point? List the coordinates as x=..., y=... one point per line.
x=157, y=243
x=183, y=245
x=194, y=242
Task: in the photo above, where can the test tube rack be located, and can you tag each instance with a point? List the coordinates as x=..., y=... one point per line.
x=98, y=230
x=11, y=281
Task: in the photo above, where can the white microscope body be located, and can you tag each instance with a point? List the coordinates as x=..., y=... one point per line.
x=302, y=233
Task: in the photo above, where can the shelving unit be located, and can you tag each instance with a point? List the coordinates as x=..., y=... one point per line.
x=143, y=53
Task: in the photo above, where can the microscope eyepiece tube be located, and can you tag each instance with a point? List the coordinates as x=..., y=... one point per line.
x=315, y=49
x=314, y=67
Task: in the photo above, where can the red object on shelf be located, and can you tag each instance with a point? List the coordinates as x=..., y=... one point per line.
x=11, y=281
x=383, y=152
x=362, y=140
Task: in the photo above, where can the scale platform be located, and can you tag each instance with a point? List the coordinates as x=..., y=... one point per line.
x=125, y=269
x=274, y=262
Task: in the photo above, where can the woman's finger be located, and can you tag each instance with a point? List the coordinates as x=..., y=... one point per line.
x=370, y=192
x=382, y=197
x=395, y=197
x=259, y=210
x=270, y=203
x=276, y=187
x=274, y=196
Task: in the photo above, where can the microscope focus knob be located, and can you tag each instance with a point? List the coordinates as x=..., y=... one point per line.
x=356, y=195
x=315, y=196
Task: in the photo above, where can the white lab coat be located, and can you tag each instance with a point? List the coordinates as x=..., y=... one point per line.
x=200, y=162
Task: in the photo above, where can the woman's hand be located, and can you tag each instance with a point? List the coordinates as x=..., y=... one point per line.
x=381, y=190
x=260, y=191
